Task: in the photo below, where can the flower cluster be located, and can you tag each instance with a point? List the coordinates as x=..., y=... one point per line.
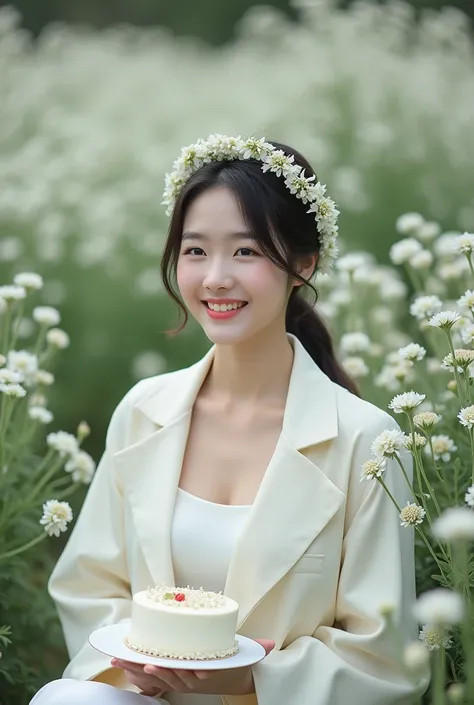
x=218, y=148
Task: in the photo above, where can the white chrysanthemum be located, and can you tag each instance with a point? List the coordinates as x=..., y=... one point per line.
x=464, y=244
x=373, y=468
x=469, y=496
x=445, y=245
x=37, y=400
x=409, y=223
x=463, y=358
x=388, y=443
x=466, y=301
x=62, y=442
x=440, y=607
x=444, y=319
x=421, y=260
x=411, y=515
x=467, y=334
x=39, y=413
x=354, y=343
x=404, y=250
x=392, y=290
x=28, y=280
x=416, y=441
x=428, y=231
x=278, y=163
x=56, y=516
x=351, y=262
x=25, y=363
x=466, y=416
x=412, y=352
x=44, y=378
x=82, y=467
x=57, y=338
x=406, y=402
x=454, y=524
x=451, y=271
x=424, y=307
x=10, y=376
x=392, y=376
x=416, y=657
x=434, y=638
x=12, y=293
x=355, y=367
x=46, y=316
x=443, y=446
x=13, y=390
x=426, y=420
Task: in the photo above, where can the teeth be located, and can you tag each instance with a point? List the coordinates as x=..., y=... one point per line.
x=224, y=307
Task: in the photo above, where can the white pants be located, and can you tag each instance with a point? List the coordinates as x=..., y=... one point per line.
x=68, y=691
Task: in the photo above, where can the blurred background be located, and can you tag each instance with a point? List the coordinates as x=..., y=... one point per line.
x=96, y=100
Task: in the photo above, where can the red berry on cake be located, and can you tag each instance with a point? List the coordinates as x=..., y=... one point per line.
x=180, y=596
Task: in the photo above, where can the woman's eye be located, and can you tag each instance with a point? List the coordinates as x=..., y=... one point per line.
x=246, y=251
x=192, y=251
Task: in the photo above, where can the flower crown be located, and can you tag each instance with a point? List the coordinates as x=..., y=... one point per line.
x=222, y=148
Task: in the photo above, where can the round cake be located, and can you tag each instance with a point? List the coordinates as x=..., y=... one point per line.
x=183, y=623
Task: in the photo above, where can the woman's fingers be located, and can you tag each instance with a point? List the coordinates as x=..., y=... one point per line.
x=180, y=681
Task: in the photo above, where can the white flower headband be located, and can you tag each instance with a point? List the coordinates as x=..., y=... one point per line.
x=223, y=148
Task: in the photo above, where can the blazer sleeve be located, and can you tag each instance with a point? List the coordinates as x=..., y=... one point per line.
x=354, y=659
x=90, y=582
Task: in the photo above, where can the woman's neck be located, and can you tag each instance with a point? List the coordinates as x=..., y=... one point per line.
x=256, y=372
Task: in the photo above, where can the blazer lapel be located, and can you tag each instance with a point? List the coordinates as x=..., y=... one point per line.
x=295, y=500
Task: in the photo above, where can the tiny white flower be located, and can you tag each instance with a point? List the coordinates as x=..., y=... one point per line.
x=355, y=367
x=421, y=260
x=444, y=319
x=12, y=293
x=10, y=377
x=351, y=262
x=392, y=290
x=56, y=516
x=46, y=316
x=409, y=223
x=469, y=496
x=464, y=244
x=411, y=515
x=387, y=443
x=428, y=231
x=13, y=390
x=454, y=524
x=445, y=245
x=28, y=280
x=434, y=638
x=354, y=343
x=406, y=402
x=404, y=250
x=82, y=467
x=417, y=441
x=466, y=301
x=373, y=468
x=451, y=271
x=467, y=334
x=463, y=359
x=62, y=442
x=466, y=416
x=39, y=413
x=57, y=338
x=416, y=657
x=443, y=446
x=412, y=352
x=426, y=420
x=440, y=607
x=38, y=400
x=45, y=378
x=23, y=362
x=424, y=307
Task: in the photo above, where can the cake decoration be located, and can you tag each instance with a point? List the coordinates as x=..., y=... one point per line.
x=227, y=653
x=187, y=597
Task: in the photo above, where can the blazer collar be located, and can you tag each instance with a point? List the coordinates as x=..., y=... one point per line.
x=311, y=408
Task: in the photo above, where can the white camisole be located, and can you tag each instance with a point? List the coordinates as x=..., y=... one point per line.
x=203, y=535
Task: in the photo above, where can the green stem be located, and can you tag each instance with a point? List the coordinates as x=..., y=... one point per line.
x=439, y=676
x=25, y=547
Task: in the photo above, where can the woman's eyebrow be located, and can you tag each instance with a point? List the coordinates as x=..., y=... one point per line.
x=244, y=235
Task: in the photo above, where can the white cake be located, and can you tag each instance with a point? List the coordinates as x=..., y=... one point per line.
x=183, y=623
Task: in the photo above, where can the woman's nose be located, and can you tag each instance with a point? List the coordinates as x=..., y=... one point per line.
x=218, y=276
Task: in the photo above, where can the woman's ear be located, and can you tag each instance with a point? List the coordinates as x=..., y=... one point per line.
x=305, y=268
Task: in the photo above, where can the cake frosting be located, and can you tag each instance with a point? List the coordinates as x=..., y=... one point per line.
x=183, y=623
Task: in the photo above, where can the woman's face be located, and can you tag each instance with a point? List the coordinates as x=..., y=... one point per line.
x=220, y=266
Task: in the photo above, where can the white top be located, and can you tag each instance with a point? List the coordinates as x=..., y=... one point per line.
x=203, y=535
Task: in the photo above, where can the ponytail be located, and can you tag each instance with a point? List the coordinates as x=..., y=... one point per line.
x=306, y=325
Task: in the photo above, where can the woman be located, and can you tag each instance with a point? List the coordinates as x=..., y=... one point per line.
x=242, y=472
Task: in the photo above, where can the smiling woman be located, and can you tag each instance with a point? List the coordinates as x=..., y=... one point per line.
x=241, y=473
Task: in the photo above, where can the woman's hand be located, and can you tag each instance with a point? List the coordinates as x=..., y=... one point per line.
x=154, y=680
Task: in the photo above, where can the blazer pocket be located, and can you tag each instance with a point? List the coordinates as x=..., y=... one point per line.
x=309, y=563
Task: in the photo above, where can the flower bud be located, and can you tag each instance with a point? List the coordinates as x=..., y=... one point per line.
x=83, y=430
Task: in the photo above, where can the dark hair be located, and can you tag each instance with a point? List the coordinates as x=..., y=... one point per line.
x=284, y=231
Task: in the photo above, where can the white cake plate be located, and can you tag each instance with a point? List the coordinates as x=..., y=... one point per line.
x=110, y=640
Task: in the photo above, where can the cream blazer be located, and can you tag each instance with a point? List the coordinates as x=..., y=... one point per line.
x=320, y=553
